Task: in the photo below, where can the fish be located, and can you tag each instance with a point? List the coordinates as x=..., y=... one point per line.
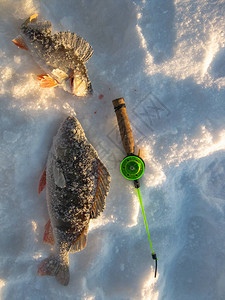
x=77, y=183
x=61, y=56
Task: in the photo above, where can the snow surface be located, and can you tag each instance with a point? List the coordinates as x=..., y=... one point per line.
x=167, y=59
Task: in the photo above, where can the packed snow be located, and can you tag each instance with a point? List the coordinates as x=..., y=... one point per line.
x=167, y=59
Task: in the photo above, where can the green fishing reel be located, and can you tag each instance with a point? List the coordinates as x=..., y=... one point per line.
x=132, y=167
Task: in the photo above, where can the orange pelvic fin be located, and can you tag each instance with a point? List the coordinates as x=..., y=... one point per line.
x=33, y=18
x=42, y=182
x=46, y=81
x=19, y=42
x=48, y=235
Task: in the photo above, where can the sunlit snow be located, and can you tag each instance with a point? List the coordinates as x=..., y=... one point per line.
x=167, y=59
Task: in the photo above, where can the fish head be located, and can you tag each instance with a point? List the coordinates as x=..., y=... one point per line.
x=69, y=124
x=70, y=130
x=68, y=133
x=78, y=84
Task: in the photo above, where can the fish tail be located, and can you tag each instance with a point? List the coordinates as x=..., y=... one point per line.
x=53, y=266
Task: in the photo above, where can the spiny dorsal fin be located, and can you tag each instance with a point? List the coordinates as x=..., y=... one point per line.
x=69, y=40
x=101, y=190
x=81, y=242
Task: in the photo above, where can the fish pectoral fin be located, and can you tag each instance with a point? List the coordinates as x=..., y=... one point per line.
x=19, y=42
x=102, y=189
x=48, y=234
x=46, y=81
x=58, y=176
x=81, y=242
x=42, y=182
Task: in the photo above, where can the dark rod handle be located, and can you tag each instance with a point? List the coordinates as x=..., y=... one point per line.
x=124, y=125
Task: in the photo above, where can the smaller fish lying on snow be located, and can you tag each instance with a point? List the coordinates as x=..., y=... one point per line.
x=77, y=184
x=62, y=56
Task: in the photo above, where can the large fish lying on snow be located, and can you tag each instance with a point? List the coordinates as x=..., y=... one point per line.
x=77, y=184
x=62, y=56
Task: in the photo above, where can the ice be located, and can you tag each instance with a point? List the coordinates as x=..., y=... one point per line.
x=166, y=58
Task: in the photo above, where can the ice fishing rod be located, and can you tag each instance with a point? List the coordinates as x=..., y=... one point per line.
x=132, y=166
